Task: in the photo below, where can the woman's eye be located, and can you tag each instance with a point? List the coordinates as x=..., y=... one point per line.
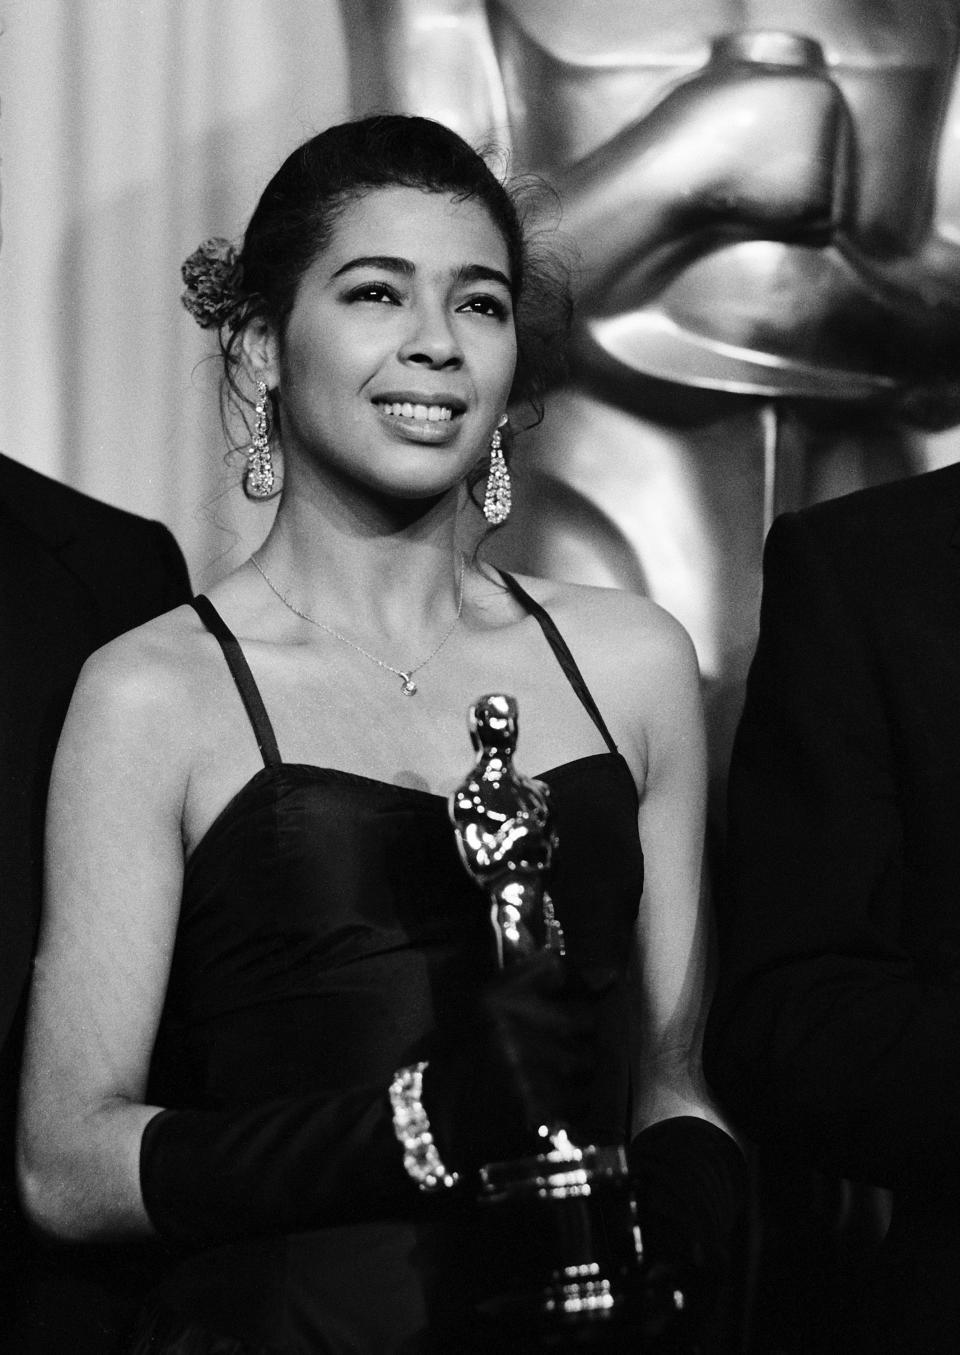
x=374, y=291
x=486, y=305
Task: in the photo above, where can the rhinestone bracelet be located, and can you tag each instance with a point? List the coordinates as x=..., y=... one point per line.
x=411, y=1125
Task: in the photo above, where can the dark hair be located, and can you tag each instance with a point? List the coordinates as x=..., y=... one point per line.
x=299, y=208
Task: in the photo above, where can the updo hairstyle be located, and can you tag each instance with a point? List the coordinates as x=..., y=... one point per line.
x=298, y=211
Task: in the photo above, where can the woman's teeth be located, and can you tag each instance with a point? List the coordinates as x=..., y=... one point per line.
x=433, y=413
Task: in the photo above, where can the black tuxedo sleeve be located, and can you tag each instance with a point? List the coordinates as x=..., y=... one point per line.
x=142, y=575
x=169, y=580
x=826, y=1036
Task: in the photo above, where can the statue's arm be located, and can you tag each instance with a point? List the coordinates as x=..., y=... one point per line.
x=759, y=151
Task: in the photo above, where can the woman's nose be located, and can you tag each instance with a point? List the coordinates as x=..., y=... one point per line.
x=432, y=340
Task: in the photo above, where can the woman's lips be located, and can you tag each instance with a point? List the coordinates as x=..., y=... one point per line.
x=418, y=422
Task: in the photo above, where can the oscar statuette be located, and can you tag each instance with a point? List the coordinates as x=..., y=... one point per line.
x=573, y=1274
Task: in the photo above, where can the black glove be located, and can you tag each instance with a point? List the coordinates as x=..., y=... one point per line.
x=690, y=1186
x=527, y=1060
x=210, y=1176
x=305, y=1162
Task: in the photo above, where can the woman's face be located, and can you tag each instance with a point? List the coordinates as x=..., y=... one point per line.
x=398, y=356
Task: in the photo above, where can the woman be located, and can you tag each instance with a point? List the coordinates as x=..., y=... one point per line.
x=265, y=1023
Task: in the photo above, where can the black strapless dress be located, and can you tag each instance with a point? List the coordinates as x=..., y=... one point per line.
x=328, y=934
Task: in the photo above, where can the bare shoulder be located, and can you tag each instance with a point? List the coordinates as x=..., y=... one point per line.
x=639, y=664
x=148, y=678
x=611, y=626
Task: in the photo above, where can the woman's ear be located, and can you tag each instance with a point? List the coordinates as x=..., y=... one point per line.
x=261, y=352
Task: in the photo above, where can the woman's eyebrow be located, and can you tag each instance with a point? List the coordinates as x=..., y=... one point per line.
x=471, y=272
x=385, y=261
x=480, y=272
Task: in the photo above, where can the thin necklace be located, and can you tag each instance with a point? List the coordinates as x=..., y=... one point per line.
x=409, y=687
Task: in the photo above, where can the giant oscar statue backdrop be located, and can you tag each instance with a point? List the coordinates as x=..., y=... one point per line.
x=765, y=197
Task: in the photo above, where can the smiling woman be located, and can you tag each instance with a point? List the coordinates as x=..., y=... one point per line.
x=266, y=1030
x=306, y=200
x=374, y=341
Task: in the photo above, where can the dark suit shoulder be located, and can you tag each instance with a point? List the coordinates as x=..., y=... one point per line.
x=53, y=510
x=126, y=568
x=899, y=508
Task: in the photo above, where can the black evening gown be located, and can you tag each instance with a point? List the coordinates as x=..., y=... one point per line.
x=329, y=935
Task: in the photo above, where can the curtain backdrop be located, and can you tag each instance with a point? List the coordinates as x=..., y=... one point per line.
x=129, y=132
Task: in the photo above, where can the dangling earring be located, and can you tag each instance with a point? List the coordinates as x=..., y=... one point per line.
x=497, y=498
x=259, y=479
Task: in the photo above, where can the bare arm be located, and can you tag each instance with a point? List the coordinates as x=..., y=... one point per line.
x=688, y=1172
x=87, y=1169
x=114, y=866
x=670, y=973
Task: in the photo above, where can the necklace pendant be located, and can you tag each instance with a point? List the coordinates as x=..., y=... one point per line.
x=409, y=687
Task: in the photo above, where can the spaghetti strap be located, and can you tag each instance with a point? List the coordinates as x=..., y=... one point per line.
x=565, y=659
x=240, y=672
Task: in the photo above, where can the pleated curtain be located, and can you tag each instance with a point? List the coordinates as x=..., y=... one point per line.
x=129, y=132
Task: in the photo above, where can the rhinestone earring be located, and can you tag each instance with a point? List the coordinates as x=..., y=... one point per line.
x=259, y=478
x=498, y=496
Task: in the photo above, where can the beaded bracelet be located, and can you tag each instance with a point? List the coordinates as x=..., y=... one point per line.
x=411, y=1125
